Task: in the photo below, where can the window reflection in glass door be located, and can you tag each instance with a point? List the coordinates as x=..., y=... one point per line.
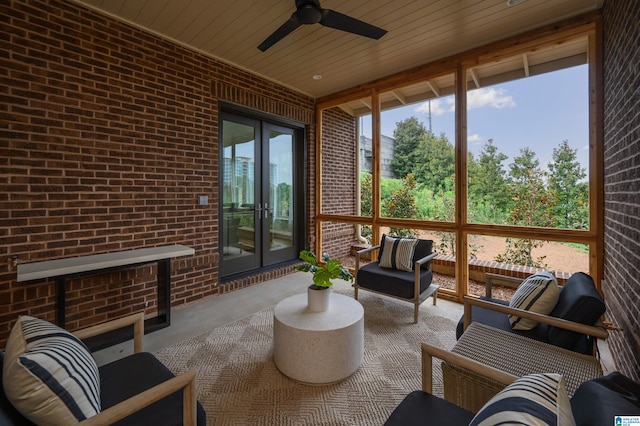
x=280, y=208
x=238, y=194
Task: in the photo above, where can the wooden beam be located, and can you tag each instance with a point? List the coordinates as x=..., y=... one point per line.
x=462, y=267
x=435, y=89
x=399, y=96
x=525, y=62
x=474, y=77
x=346, y=109
x=549, y=35
x=596, y=154
x=375, y=165
x=318, y=186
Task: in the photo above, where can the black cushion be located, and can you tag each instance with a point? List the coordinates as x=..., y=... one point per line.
x=392, y=281
x=134, y=374
x=423, y=249
x=421, y=408
x=599, y=401
x=579, y=301
x=500, y=321
x=8, y=414
x=120, y=380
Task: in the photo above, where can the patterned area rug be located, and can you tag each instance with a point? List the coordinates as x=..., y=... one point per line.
x=238, y=383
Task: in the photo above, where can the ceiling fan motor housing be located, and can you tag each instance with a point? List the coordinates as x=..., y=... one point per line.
x=308, y=12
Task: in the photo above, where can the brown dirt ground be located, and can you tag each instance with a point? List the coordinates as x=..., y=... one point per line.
x=559, y=257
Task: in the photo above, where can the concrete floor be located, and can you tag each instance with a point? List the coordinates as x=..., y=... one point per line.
x=204, y=316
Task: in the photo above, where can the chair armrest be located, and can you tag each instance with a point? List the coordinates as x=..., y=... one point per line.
x=416, y=273
x=185, y=381
x=428, y=352
x=137, y=320
x=425, y=259
x=367, y=250
x=598, y=332
x=359, y=253
x=507, y=281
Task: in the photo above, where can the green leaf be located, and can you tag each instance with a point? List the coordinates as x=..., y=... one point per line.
x=323, y=274
x=308, y=256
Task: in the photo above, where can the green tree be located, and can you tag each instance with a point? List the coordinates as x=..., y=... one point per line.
x=525, y=167
x=532, y=202
x=366, y=194
x=488, y=183
x=518, y=252
x=531, y=206
x=572, y=196
x=408, y=134
x=445, y=211
x=366, y=202
x=387, y=187
x=435, y=163
x=402, y=204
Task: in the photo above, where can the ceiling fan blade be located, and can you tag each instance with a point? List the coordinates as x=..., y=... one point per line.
x=280, y=33
x=333, y=19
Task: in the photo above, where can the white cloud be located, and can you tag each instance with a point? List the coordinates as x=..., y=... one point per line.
x=438, y=106
x=478, y=98
x=475, y=139
x=496, y=98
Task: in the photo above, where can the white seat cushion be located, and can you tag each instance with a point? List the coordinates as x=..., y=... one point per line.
x=397, y=253
x=536, y=399
x=538, y=293
x=49, y=375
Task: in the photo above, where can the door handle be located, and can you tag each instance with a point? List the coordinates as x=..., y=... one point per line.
x=260, y=209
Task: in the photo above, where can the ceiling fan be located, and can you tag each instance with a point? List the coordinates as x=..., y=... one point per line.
x=309, y=12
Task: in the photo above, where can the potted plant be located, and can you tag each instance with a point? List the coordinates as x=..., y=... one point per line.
x=318, y=292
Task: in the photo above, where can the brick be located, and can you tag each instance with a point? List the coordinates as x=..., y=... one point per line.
x=108, y=126
x=621, y=282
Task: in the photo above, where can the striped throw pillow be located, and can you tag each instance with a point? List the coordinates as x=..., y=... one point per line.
x=539, y=293
x=536, y=399
x=397, y=253
x=49, y=375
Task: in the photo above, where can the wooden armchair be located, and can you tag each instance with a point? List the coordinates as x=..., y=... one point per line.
x=595, y=402
x=421, y=407
x=137, y=389
x=573, y=324
x=413, y=286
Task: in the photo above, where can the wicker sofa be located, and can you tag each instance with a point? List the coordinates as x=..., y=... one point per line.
x=596, y=402
x=573, y=324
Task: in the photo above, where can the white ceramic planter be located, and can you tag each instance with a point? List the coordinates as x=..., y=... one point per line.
x=318, y=299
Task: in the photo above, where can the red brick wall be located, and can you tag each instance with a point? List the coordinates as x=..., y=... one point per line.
x=107, y=136
x=339, y=186
x=621, y=282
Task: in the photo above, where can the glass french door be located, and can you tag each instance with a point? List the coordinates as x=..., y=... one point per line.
x=261, y=219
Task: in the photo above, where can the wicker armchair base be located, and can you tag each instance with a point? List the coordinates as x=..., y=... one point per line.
x=513, y=354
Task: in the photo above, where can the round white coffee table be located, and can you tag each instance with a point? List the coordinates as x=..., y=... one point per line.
x=318, y=347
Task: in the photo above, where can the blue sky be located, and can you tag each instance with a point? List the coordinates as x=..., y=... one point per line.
x=539, y=112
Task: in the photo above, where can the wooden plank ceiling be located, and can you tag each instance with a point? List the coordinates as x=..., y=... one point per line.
x=419, y=32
